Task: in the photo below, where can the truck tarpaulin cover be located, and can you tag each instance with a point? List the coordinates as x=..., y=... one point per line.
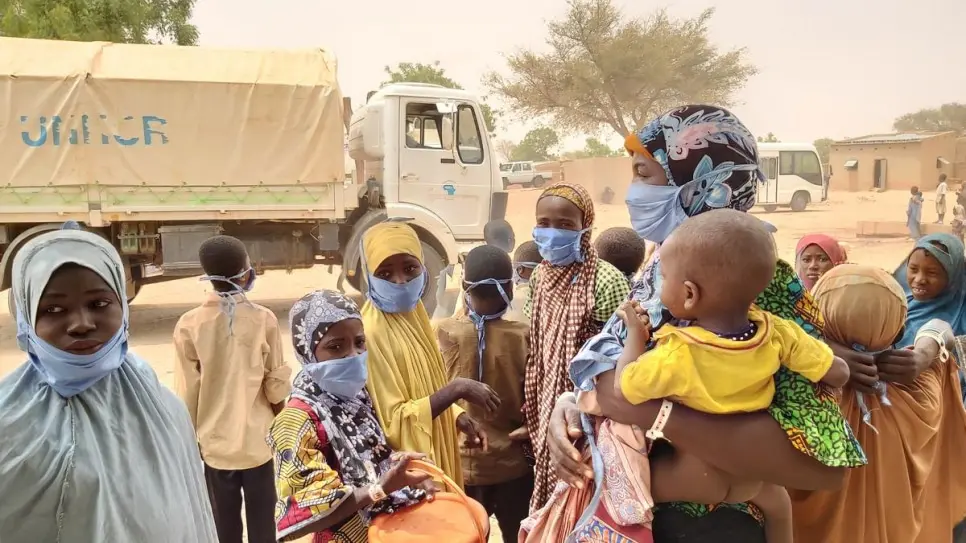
x=100, y=113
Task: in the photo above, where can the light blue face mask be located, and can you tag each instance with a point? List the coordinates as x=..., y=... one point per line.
x=345, y=377
x=517, y=278
x=480, y=320
x=67, y=373
x=559, y=247
x=228, y=302
x=390, y=297
x=655, y=210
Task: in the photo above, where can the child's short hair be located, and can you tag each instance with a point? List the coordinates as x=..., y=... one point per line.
x=728, y=253
x=224, y=256
x=500, y=234
x=527, y=252
x=488, y=262
x=622, y=247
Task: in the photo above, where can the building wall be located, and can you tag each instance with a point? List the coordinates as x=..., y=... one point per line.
x=903, y=168
x=959, y=165
x=943, y=145
x=907, y=164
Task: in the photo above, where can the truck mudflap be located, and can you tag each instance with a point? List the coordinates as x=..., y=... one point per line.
x=498, y=205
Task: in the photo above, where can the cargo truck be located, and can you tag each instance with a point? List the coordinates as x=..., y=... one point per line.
x=157, y=148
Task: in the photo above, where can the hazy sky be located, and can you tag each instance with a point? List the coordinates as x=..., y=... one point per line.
x=833, y=68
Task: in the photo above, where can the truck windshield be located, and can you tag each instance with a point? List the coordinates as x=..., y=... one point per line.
x=505, y=167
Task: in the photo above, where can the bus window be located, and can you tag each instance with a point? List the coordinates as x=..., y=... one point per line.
x=769, y=165
x=804, y=164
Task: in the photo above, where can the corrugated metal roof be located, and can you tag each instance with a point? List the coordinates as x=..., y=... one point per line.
x=901, y=137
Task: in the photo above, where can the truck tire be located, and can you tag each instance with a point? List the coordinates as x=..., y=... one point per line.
x=799, y=201
x=537, y=181
x=434, y=264
x=771, y=208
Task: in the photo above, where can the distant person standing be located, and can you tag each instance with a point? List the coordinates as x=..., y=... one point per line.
x=914, y=213
x=941, y=191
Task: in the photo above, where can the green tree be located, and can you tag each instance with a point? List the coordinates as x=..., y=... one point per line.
x=538, y=145
x=824, y=148
x=417, y=72
x=593, y=147
x=947, y=117
x=770, y=138
x=605, y=69
x=119, y=21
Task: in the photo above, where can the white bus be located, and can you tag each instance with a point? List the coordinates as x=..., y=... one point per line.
x=793, y=176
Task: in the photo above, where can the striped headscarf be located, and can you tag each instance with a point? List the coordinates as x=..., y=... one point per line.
x=563, y=304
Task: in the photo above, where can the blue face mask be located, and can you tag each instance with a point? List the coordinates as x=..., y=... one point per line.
x=228, y=301
x=559, y=247
x=392, y=298
x=655, y=210
x=67, y=373
x=344, y=377
x=517, y=278
x=480, y=320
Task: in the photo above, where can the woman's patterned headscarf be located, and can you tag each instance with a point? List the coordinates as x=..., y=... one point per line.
x=706, y=150
x=313, y=315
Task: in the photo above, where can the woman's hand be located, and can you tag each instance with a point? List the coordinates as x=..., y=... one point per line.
x=902, y=366
x=478, y=394
x=563, y=430
x=399, y=476
x=475, y=436
x=863, y=372
x=428, y=486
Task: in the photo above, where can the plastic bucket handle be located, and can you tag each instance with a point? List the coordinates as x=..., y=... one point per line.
x=437, y=473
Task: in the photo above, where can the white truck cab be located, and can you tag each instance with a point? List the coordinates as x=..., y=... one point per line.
x=425, y=149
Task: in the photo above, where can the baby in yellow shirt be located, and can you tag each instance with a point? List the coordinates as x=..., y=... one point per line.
x=713, y=267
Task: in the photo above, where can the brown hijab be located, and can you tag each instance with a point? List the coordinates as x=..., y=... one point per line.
x=911, y=491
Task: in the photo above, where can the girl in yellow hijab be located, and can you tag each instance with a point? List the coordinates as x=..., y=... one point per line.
x=407, y=380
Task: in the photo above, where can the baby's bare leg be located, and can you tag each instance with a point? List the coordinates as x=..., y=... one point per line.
x=775, y=504
x=682, y=477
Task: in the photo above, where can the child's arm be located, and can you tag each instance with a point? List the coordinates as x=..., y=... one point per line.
x=638, y=334
x=277, y=382
x=838, y=374
x=808, y=356
x=187, y=374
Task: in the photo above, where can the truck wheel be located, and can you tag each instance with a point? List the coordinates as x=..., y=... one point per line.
x=434, y=264
x=537, y=181
x=770, y=208
x=799, y=201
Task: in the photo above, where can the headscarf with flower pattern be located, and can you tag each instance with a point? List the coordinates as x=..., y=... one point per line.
x=707, y=151
x=353, y=431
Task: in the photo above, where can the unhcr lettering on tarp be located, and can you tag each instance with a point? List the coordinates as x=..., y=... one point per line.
x=78, y=130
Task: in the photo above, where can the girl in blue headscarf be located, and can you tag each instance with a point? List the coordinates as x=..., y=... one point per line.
x=935, y=285
x=94, y=448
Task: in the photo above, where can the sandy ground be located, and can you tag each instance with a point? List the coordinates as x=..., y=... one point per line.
x=157, y=308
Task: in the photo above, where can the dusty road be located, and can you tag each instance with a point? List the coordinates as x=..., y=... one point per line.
x=158, y=307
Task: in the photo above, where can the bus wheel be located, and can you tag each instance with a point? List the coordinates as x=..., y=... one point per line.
x=770, y=209
x=799, y=201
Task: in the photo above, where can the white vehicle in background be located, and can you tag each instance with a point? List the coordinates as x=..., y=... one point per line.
x=523, y=173
x=793, y=176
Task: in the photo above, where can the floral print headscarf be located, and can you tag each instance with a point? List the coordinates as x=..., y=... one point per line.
x=707, y=151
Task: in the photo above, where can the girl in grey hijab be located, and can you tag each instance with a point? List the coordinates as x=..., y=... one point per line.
x=94, y=448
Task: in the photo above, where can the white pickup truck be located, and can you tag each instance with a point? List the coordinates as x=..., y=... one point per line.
x=159, y=147
x=523, y=173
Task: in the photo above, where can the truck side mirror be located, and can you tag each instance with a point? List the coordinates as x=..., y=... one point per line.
x=446, y=139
